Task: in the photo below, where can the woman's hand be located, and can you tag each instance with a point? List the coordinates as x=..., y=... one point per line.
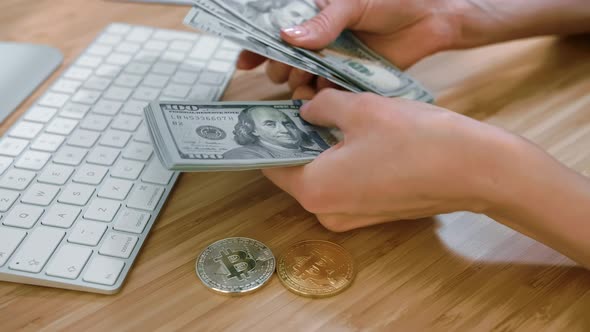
x=399, y=159
x=403, y=31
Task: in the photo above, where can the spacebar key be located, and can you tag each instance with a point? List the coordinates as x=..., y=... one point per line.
x=145, y=197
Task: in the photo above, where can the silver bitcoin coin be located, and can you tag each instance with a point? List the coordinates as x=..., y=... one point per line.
x=235, y=265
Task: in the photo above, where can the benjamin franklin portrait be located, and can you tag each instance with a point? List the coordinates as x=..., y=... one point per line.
x=265, y=132
x=273, y=15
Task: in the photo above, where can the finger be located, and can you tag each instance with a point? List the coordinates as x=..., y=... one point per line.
x=324, y=83
x=286, y=178
x=299, y=77
x=346, y=222
x=278, y=72
x=325, y=27
x=330, y=108
x=248, y=60
x=304, y=92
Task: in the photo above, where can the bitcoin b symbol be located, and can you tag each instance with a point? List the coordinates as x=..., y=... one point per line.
x=237, y=263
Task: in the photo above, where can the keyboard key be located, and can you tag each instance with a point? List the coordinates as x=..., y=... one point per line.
x=107, y=107
x=134, y=107
x=85, y=96
x=37, y=249
x=56, y=174
x=115, y=138
x=115, y=189
x=205, y=47
x=53, y=99
x=128, y=47
x=74, y=111
x=25, y=129
x=220, y=66
x=61, y=215
x=76, y=194
x=40, y=114
x=97, y=83
x=47, y=142
x=10, y=238
x=118, y=59
x=118, y=93
x=172, y=56
x=78, y=73
x=145, y=93
x=61, y=126
x=226, y=44
x=90, y=174
x=100, y=50
x=68, y=155
x=16, y=179
x=89, y=61
x=128, y=80
x=118, y=245
x=156, y=173
x=211, y=77
x=203, y=93
x=155, y=80
x=168, y=35
x=137, y=68
x=155, y=45
x=69, y=261
x=127, y=169
x=176, y=91
x=131, y=221
x=12, y=147
x=165, y=68
x=145, y=197
x=87, y=233
x=109, y=39
x=40, y=194
x=103, y=270
x=102, y=210
x=95, y=122
x=138, y=151
x=181, y=45
x=146, y=56
x=5, y=163
x=185, y=77
x=23, y=216
x=126, y=122
x=142, y=135
x=32, y=160
x=139, y=34
x=66, y=86
x=103, y=156
x=193, y=65
x=108, y=70
x=85, y=138
x=7, y=198
x=227, y=55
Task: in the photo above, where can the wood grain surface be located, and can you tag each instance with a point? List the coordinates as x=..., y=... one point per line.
x=453, y=272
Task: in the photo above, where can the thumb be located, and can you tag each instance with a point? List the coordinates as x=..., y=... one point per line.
x=319, y=31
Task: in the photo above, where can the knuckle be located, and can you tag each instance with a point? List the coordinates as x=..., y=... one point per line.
x=321, y=23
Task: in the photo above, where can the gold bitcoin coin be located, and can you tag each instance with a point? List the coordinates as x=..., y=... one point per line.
x=316, y=268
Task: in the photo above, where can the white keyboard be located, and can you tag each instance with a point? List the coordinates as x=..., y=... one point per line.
x=80, y=186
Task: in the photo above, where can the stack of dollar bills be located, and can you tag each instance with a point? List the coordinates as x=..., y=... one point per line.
x=255, y=25
x=220, y=136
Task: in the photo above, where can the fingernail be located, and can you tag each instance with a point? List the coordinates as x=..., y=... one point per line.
x=297, y=31
x=322, y=3
x=304, y=108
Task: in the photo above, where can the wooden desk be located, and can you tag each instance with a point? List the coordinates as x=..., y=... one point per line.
x=453, y=272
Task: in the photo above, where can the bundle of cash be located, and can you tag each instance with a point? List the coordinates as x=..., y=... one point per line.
x=220, y=136
x=255, y=25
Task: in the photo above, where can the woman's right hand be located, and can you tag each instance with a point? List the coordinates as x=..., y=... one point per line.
x=403, y=31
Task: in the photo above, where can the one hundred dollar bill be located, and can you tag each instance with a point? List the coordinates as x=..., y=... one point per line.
x=347, y=55
x=221, y=136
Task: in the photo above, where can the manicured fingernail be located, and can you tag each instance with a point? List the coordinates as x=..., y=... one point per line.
x=297, y=31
